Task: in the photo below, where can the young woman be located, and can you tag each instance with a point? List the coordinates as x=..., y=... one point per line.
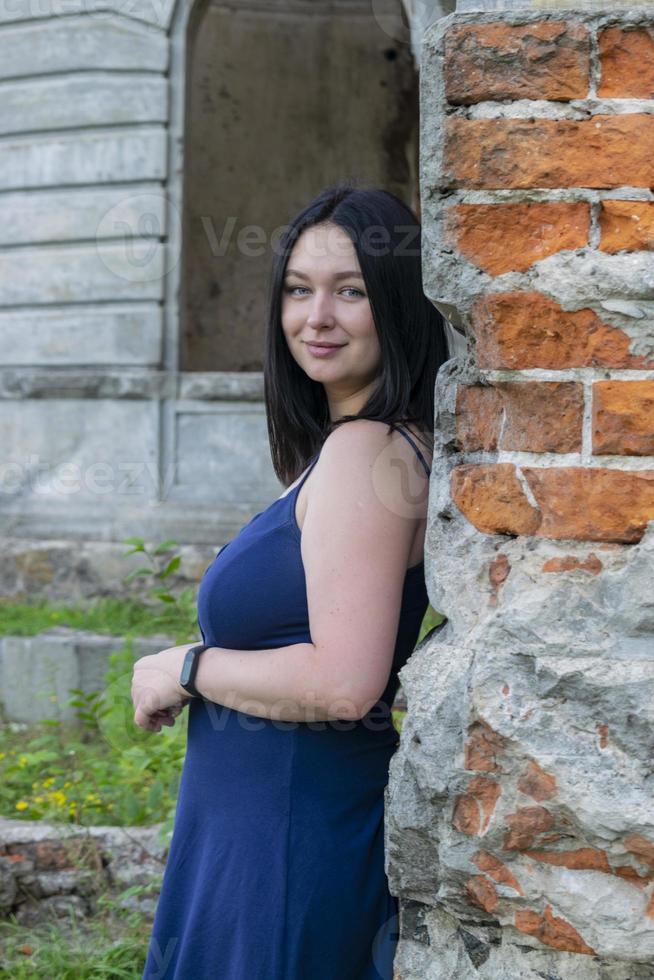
x=276, y=865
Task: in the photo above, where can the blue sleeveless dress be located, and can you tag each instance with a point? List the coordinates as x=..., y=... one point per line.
x=275, y=869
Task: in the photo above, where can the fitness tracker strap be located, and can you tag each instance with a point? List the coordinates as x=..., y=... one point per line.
x=190, y=669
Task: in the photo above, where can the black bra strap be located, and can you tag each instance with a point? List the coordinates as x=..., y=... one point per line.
x=420, y=456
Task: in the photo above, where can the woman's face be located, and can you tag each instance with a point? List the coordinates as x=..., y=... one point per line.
x=325, y=302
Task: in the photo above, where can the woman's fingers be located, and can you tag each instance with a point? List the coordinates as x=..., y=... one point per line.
x=152, y=719
x=167, y=716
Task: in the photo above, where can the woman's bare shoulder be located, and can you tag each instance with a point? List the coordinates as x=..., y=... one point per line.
x=371, y=446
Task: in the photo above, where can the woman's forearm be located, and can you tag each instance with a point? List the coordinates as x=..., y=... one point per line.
x=283, y=683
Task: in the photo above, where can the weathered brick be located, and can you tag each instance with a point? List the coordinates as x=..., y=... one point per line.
x=592, y=504
x=498, y=572
x=641, y=847
x=546, y=60
x=623, y=418
x=495, y=868
x=492, y=498
x=478, y=417
x=580, y=859
x=519, y=330
x=631, y=875
x=511, y=237
x=474, y=809
x=482, y=748
x=603, y=732
x=573, y=502
x=542, y=416
x=537, y=783
x=603, y=151
x=526, y=824
x=626, y=226
x=627, y=63
x=551, y=930
x=482, y=893
x=570, y=563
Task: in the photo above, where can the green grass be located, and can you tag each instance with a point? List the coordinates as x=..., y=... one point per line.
x=112, y=945
x=115, y=617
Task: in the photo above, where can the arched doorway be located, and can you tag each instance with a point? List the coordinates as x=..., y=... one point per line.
x=282, y=98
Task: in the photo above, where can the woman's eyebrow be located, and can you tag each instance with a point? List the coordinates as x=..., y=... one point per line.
x=349, y=274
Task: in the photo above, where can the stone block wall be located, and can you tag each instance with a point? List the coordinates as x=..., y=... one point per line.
x=60, y=871
x=520, y=829
x=39, y=673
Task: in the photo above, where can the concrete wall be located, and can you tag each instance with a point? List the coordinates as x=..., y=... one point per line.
x=38, y=673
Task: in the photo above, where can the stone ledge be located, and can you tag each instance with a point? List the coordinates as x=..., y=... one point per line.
x=130, y=383
x=69, y=571
x=56, y=870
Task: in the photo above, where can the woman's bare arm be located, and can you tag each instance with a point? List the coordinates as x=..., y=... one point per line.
x=356, y=539
x=284, y=683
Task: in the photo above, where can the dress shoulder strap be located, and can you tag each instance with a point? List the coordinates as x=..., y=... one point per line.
x=412, y=441
x=310, y=465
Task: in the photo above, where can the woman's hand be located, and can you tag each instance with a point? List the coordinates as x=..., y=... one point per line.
x=157, y=695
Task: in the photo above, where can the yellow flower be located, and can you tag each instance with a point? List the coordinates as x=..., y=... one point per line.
x=22, y=805
x=38, y=799
x=2, y=755
x=23, y=760
x=67, y=784
x=49, y=781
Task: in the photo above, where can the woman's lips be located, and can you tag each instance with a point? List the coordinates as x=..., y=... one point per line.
x=323, y=351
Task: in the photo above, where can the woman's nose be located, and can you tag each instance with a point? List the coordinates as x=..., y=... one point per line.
x=321, y=309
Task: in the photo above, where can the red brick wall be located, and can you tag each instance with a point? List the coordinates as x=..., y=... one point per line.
x=558, y=435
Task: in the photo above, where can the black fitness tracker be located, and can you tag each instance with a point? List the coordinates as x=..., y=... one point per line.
x=190, y=669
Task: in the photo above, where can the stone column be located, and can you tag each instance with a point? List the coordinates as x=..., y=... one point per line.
x=520, y=809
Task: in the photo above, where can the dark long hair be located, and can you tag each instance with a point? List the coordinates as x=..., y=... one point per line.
x=385, y=234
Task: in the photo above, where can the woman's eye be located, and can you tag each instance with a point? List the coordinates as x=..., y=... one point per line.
x=350, y=289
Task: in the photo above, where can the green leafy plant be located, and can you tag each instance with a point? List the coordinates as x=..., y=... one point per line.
x=158, y=568
x=100, y=769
